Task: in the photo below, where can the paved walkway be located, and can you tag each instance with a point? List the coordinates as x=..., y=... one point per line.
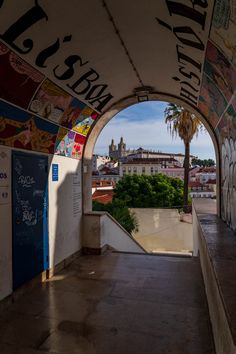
x=113, y=304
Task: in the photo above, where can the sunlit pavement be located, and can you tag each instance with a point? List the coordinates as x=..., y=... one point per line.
x=113, y=304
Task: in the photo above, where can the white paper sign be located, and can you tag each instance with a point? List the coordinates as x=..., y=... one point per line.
x=4, y=167
x=4, y=195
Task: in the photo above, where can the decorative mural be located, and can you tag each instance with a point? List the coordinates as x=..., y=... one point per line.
x=223, y=35
x=79, y=117
x=220, y=70
x=50, y=101
x=211, y=101
x=78, y=146
x=226, y=128
x=64, y=142
x=40, y=96
x=218, y=84
x=217, y=100
x=72, y=115
x=69, y=144
x=87, y=117
x=18, y=79
x=228, y=152
x=86, y=84
x=20, y=129
x=223, y=28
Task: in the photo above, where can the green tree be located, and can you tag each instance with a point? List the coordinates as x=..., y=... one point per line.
x=141, y=191
x=185, y=124
x=120, y=212
x=203, y=163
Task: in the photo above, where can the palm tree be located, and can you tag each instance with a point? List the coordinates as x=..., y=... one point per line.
x=185, y=124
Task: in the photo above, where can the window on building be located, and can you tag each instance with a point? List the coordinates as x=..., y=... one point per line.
x=135, y=170
x=143, y=170
x=152, y=169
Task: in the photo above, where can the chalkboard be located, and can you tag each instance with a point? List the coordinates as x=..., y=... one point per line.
x=30, y=230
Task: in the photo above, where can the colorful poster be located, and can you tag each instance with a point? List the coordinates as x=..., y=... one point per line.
x=72, y=115
x=233, y=102
x=50, y=101
x=220, y=70
x=64, y=143
x=224, y=28
x=88, y=112
x=79, y=142
x=86, y=119
x=211, y=102
x=227, y=125
x=21, y=130
x=18, y=80
x=84, y=126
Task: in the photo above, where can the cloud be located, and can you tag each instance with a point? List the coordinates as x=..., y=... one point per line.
x=143, y=125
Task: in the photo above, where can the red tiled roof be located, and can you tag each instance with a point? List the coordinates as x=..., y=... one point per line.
x=102, y=183
x=208, y=169
x=192, y=184
x=103, y=196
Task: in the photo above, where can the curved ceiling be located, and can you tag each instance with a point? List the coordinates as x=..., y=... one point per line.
x=101, y=51
x=69, y=61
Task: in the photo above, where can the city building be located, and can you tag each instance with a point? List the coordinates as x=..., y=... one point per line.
x=205, y=174
x=117, y=152
x=99, y=161
x=123, y=154
x=202, y=190
x=147, y=166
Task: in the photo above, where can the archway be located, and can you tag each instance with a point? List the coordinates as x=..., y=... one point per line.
x=107, y=116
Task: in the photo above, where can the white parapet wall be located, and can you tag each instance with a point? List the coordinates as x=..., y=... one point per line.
x=101, y=229
x=164, y=230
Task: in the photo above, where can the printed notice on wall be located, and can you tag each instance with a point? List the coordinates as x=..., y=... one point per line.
x=76, y=193
x=4, y=176
x=55, y=170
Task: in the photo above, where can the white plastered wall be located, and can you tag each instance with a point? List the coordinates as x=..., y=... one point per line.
x=5, y=223
x=65, y=209
x=64, y=214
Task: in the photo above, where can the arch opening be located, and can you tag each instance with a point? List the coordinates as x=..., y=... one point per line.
x=112, y=112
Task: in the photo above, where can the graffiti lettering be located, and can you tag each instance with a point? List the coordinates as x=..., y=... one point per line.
x=186, y=94
x=29, y=217
x=83, y=85
x=183, y=59
x=70, y=61
x=26, y=181
x=32, y=16
x=176, y=8
x=189, y=75
x=47, y=53
x=189, y=68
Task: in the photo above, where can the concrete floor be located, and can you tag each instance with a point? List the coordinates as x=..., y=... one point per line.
x=113, y=304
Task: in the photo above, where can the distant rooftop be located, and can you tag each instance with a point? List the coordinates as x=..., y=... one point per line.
x=152, y=161
x=102, y=196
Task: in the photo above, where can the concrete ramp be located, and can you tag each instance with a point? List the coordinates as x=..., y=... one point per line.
x=162, y=230
x=102, y=230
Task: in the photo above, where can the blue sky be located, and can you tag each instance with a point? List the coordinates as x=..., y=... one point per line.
x=142, y=125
